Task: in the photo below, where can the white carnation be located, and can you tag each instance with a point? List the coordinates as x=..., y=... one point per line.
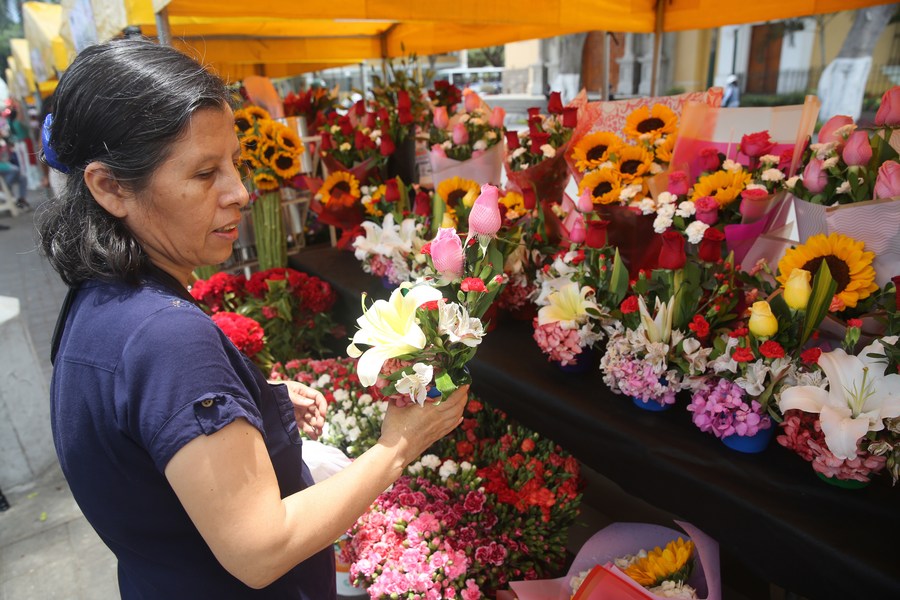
x=480, y=145
x=772, y=175
x=830, y=162
x=791, y=182
x=430, y=461
x=695, y=231
x=661, y=223
x=844, y=188
x=769, y=159
x=345, y=147
x=731, y=165
x=686, y=209
x=548, y=151
x=666, y=198
x=448, y=468
x=647, y=206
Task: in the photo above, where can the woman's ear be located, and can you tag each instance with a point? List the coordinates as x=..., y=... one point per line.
x=106, y=190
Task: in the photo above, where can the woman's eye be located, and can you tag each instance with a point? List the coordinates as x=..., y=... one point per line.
x=206, y=174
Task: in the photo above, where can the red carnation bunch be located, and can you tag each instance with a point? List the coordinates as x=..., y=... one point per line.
x=244, y=332
x=222, y=291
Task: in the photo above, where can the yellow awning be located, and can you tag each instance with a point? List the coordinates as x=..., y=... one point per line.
x=42, y=25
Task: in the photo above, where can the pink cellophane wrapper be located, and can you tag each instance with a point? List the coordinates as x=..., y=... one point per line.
x=611, y=115
x=620, y=539
x=485, y=168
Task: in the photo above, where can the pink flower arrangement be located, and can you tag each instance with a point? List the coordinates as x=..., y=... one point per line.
x=558, y=343
x=635, y=377
x=723, y=409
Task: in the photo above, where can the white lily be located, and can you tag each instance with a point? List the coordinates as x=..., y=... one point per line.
x=568, y=306
x=859, y=398
x=416, y=383
x=658, y=328
x=389, y=327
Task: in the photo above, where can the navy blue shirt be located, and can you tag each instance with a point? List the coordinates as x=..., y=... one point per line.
x=140, y=372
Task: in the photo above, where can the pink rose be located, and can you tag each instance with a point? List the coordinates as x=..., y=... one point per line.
x=473, y=101
x=498, y=115
x=578, y=233
x=815, y=178
x=756, y=144
x=585, y=203
x=485, y=217
x=827, y=133
x=889, y=111
x=707, y=210
x=437, y=151
x=709, y=159
x=678, y=183
x=441, y=120
x=857, y=151
x=460, y=134
x=887, y=184
x=447, y=253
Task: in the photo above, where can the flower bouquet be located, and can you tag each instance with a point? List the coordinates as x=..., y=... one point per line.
x=271, y=153
x=246, y=334
x=314, y=105
x=536, y=157
x=356, y=143
x=337, y=202
x=492, y=509
x=390, y=250
x=420, y=339
x=467, y=144
x=636, y=561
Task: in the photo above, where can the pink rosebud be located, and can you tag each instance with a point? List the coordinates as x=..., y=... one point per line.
x=473, y=101
x=447, y=253
x=857, y=151
x=460, y=134
x=678, y=183
x=585, y=203
x=709, y=159
x=707, y=210
x=441, y=119
x=578, y=233
x=815, y=178
x=887, y=184
x=827, y=133
x=498, y=115
x=485, y=217
x=889, y=112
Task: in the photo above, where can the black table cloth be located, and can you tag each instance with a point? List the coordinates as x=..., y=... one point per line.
x=769, y=509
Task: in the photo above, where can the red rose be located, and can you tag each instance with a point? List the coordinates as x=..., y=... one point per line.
x=512, y=140
x=771, y=349
x=529, y=198
x=785, y=159
x=629, y=305
x=811, y=355
x=896, y=280
x=570, y=117
x=595, y=237
x=360, y=108
x=387, y=145
x=742, y=354
x=391, y=191
x=678, y=183
x=534, y=111
x=671, y=255
x=554, y=104
x=538, y=139
x=422, y=205
x=699, y=326
x=754, y=194
x=709, y=159
x=854, y=323
x=472, y=284
x=711, y=245
x=756, y=144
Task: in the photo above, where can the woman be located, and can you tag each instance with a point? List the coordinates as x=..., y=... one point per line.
x=183, y=458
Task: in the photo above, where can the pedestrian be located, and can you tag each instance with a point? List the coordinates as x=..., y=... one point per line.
x=17, y=156
x=180, y=454
x=732, y=96
x=14, y=177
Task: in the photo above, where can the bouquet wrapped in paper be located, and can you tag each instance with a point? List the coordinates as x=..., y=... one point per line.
x=636, y=561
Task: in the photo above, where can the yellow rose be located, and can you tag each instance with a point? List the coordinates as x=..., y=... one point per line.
x=797, y=289
x=762, y=322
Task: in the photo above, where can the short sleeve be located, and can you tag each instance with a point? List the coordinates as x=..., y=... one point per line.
x=180, y=378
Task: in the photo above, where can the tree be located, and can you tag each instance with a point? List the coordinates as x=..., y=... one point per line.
x=843, y=82
x=493, y=56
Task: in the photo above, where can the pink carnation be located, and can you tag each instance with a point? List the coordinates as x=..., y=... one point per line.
x=560, y=345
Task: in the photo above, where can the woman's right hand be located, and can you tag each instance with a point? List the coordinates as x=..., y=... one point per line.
x=412, y=429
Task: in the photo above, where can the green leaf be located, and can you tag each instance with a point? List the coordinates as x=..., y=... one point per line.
x=823, y=289
x=618, y=281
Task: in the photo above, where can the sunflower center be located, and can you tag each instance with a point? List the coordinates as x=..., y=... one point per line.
x=602, y=188
x=597, y=152
x=651, y=124
x=242, y=124
x=840, y=271
x=269, y=152
x=250, y=145
x=630, y=167
x=342, y=186
x=284, y=162
x=455, y=197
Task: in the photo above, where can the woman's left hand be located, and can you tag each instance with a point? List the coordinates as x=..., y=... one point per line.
x=309, y=407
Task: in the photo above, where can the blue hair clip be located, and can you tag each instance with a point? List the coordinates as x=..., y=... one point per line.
x=49, y=153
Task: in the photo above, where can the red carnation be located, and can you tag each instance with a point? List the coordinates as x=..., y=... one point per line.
x=472, y=284
x=700, y=326
x=629, y=305
x=771, y=349
x=742, y=354
x=811, y=355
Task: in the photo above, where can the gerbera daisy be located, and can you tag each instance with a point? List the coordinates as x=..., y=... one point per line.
x=605, y=186
x=633, y=163
x=256, y=113
x=594, y=149
x=664, y=150
x=288, y=139
x=285, y=164
x=265, y=182
x=724, y=186
x=341, y=187
x=670, y=564
x=650, y=123
x=457, y=190
x=850, y=266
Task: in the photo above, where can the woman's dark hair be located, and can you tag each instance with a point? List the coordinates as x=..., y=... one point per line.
x=122, y=103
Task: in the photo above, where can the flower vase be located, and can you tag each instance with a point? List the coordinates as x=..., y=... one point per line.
x=387, y=284
x=847, y=484
x=583, y=363
x=650, y=405
x=750, y=444
x=268, y=229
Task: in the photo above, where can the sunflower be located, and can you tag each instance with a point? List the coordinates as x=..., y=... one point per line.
x=664, y=150
x=285, y=164
x=265, y=182
x=242, y=121
x=605, y=186
x=370, y=203
x=671, y=564
x=633, y=163
x=594, y=149
x=457, y=190
x=266, y=152
x=850, y=265
x=341, y=187
x=256, y=113
x=724, y=186
x=288, y=139
x=250, y=149
x=514, y=203
x=650, y=123
x=267, y=129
